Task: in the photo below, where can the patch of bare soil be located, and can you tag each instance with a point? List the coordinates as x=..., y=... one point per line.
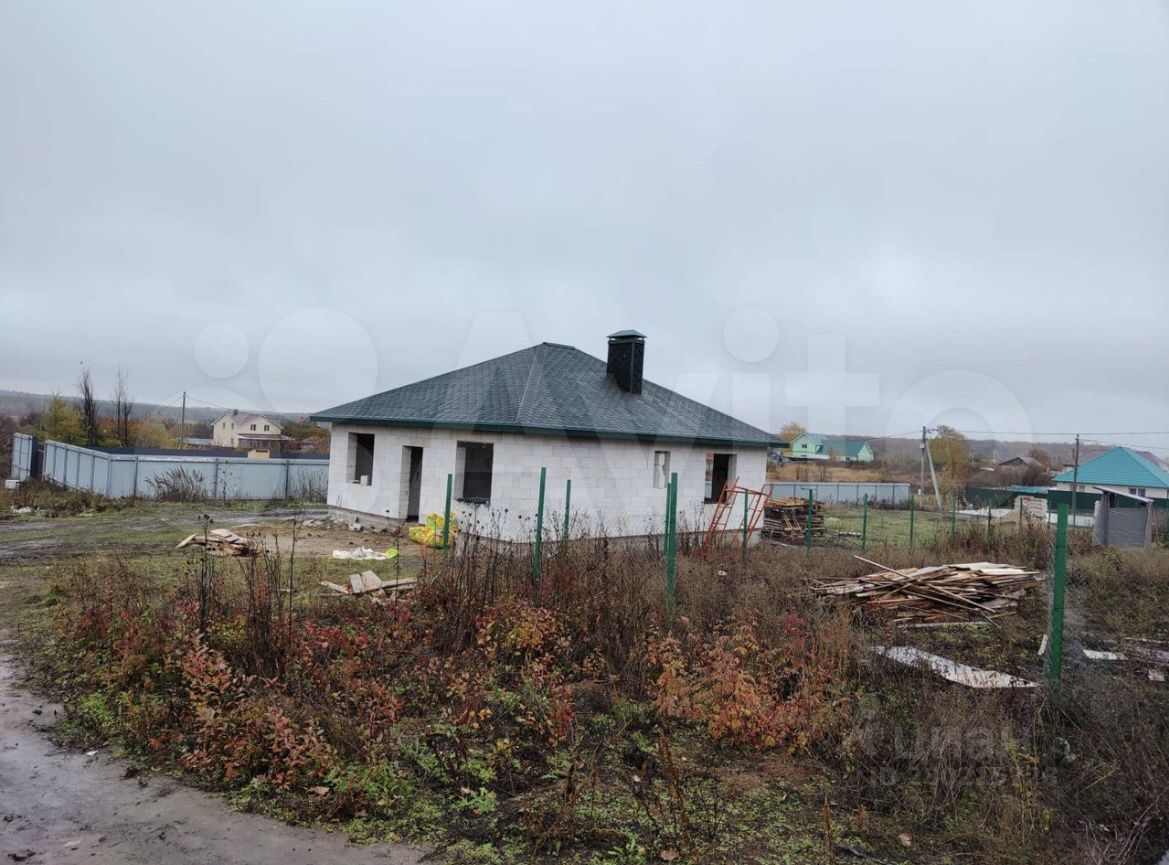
x=322, y=540
x=30, y=541
x=62, y=807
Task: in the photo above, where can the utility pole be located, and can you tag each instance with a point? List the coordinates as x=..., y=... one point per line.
x=183, y=424
x=921, y=466
x=933, y=476
x=1075, y=477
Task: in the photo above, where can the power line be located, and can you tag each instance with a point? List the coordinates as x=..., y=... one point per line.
x=1067, y=433
x=204, y=402
x=1131, y=445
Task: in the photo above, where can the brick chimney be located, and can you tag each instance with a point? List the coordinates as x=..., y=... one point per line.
x=626, y=359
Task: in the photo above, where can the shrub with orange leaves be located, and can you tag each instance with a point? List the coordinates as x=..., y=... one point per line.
x=755, y=695
x=236, y=732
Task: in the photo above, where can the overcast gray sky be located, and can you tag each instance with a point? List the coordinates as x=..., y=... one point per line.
x=869, y=215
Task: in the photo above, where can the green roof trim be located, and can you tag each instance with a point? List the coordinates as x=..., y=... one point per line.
x=1119, y=467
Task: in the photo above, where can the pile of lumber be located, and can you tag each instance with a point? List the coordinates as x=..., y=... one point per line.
x=374, y=587
x=222, y=542
x=938, y=594
x=786, y=519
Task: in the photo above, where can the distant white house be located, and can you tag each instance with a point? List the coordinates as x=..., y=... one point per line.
x=252, y=431
x=492, y=426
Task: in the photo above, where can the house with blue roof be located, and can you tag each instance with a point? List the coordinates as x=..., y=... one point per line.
x=493, y=426
x=1120, y=471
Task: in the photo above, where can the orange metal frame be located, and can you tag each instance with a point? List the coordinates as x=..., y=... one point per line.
x=724, y=508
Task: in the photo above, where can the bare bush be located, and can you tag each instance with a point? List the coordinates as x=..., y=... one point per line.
x=309, y=487
x=178, y=485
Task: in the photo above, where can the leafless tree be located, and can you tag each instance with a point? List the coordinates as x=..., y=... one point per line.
x=87, y=407
x=123, y=408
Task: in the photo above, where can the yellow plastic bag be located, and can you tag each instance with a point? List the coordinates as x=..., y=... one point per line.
x=429, y=534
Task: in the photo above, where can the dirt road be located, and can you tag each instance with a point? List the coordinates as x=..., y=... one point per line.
x=58, y=806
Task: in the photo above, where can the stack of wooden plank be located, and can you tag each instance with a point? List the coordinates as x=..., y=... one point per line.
x=938, y=594
x=370, y=584
x=223, y=542
x=786, y=519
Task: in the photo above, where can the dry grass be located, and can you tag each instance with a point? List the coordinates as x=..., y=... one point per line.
x=1126, y=592
x=568, y=717
x=812, y=471
x=47, y=499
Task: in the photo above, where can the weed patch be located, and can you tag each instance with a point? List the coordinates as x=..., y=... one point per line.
x=571, y=720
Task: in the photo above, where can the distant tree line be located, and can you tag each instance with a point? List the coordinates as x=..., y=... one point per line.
x=87, y=420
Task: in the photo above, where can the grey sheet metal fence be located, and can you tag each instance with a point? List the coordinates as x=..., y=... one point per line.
x=23, y=452
x=831, y=493
x=122, y=476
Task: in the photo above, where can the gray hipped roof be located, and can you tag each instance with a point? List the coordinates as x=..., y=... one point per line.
x=549, y=388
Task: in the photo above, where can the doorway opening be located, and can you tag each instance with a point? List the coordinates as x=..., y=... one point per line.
x=719, y=472
x=412, y=476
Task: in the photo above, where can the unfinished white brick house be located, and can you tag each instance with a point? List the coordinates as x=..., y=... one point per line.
x=494, y=425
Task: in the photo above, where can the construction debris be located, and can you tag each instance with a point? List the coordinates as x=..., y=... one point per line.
x=951, y=671
x=786, y=519
x=222, y=542
x=431, y=533
x=939, y=593
x=362, y=553
x=1093, y=655
x=1144, y=649
x=369, y=583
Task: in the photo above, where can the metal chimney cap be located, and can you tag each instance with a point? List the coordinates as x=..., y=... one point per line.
x=627, y=334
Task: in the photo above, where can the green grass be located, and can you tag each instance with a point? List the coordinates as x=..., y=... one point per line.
x=888, y=528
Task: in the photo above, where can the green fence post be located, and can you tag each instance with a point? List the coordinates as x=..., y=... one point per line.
x=912, y=514
x=1059, y=577
x=989, y=514
x=808, y=525
x=954, y=516
x=567, y=505
x=446, y=514
x=864, y=522
x=746, y=506
x=666, y=529
x=539, y=528
x=671, y=542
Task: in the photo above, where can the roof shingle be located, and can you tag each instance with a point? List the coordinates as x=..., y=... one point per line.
x=549, y=388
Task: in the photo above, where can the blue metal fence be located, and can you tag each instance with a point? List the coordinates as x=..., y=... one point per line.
x=832, y=493
x=128, y=475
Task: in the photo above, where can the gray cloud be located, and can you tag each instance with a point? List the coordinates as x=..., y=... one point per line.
x=977, y=187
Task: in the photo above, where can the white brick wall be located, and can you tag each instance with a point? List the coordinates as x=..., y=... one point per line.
x=612, y=480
